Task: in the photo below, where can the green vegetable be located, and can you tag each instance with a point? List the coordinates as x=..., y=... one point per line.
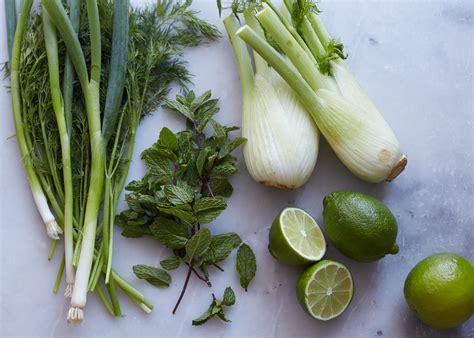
x=94, y=34
x=198, y=245
x=283, y=141
x=171, y=263
x=157, y=277
x=58, y=107
x=246, y=265
x=24, y=143
x=216, y=307
x=10, y=18
x=298, y=47
x=185, y=187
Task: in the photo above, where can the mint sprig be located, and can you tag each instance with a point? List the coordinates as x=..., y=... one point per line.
x=185, y=187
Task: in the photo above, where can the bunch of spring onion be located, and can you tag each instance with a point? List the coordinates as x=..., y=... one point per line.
x=294, y=41
x=77, y=137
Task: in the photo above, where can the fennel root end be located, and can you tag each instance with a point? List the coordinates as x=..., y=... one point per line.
x=398, y=168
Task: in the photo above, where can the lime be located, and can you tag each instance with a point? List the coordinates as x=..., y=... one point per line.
x=325, y=289
x=295, y=238
x=440, y=290
x=359, y=226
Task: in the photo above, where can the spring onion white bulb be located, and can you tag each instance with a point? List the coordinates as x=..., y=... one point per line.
x=282, y=140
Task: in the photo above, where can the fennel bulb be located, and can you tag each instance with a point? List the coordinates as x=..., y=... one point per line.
x=313, y=67
x=282, y=140
x=357, y=132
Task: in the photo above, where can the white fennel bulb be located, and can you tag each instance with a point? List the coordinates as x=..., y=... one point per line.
x=282, y=140
x=312, y=64
x=357, y=132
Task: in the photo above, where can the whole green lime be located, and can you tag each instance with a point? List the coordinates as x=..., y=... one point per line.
x=359, y=226
x=440, y=290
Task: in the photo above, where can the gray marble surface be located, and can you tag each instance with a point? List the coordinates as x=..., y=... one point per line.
x=415, y=59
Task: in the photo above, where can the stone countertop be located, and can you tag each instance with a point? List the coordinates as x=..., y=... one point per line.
x=415, y=59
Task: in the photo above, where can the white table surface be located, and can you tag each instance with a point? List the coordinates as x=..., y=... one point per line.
x=415, y=59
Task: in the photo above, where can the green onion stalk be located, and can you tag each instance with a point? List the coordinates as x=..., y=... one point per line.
x=39, y=197
x=49, y=190
x=90, y=87
x=10, y=18
x=58, y=107
x=113, y=120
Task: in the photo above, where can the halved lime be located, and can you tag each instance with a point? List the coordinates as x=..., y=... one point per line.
x=295, y=238
x=325, y=289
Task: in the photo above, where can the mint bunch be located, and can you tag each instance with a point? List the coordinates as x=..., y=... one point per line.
x=185, y=187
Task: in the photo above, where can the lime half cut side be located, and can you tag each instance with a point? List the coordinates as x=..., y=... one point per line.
x=325, y=290
x=296, y=239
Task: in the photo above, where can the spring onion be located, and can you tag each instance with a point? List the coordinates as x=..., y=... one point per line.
x=58, y=107
x=70, y=150
x=39, y=197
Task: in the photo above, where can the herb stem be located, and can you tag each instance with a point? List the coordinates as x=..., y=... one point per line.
x=218, y=267
x=183, y=290
x=199, y=276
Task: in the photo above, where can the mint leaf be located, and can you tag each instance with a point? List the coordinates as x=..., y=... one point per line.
x=168, y=139
x=180, y=108
x=157, y=277
x=172, y=234
x=229, y=297
x=208, y=209
x=246, y=265
x=220, y=248
x=137, y=186
x=206, y=112
x=134, y=231
x=198, y=244
x=222, y=316
x=205, y=316
x=216, y=308
x=224, y=170
x=181, y=193
x=220, y=132
x=158, y=166
x=181, y=214
x=171, y=263
x=231, y=146
x=201, y=159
